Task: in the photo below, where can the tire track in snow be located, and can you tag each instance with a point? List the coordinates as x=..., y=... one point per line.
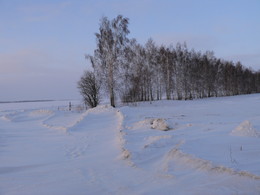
x=96, y=149
x=176, y=156
x=77, y=149
x=100, y=162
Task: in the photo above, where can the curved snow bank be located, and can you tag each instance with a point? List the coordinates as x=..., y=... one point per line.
x=55, y=127
x=27, y=115
x=62, y=122
x=101, y=108
x=120, y=127
x=6, y=118
x=152, y=140
x=125, y=154
x=177, y=157
x=14, y=116
x=153, y=123
x=72, y=121
x=245, y=129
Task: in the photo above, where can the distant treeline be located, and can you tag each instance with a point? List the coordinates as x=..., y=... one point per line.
x=24, y=101
x=136, y=72
x=151, y=72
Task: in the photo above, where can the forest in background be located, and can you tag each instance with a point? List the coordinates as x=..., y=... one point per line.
x=133, y=72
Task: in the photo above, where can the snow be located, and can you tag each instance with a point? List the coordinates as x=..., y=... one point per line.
x=207, y=146
x=245, y=129
x=154, y=123
x=160, y=124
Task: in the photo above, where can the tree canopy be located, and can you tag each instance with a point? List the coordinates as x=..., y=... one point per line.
x=135, y=72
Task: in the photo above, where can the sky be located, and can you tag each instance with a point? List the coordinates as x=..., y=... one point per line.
x=43, y=42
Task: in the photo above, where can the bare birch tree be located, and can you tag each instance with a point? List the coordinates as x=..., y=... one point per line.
x=111, y=40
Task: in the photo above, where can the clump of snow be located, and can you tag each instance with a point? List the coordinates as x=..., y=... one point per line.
x=245, y=129
x=142, y=124
x=125, y=154
x=153, y=123
x=160, y=124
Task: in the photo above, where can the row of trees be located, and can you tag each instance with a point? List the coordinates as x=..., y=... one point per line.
x=135, y=72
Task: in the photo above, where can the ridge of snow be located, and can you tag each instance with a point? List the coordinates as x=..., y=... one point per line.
x=108, y=150
x=245, y=129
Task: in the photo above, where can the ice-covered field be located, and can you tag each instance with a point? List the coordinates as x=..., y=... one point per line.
x=208, y=146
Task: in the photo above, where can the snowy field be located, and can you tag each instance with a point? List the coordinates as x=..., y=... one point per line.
x=207, y=146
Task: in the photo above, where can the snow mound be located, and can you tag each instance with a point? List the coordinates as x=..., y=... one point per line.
x=245, y=129
x=142, y=124
x=153, y=123
x=125, y=154
x=160, y=124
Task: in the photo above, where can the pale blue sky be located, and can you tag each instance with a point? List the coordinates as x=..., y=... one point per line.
x=43, y=42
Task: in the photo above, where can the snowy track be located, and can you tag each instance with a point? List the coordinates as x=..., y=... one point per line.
x=109, y=151
x=84, y=158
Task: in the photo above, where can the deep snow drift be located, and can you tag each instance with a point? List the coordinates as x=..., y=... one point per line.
x=208, y=146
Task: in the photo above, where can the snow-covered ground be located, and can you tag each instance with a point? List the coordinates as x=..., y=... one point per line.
x=207, y=146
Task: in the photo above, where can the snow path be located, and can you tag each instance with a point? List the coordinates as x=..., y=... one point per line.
x=50, y=151
x=85, y=159
x=101, y=151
